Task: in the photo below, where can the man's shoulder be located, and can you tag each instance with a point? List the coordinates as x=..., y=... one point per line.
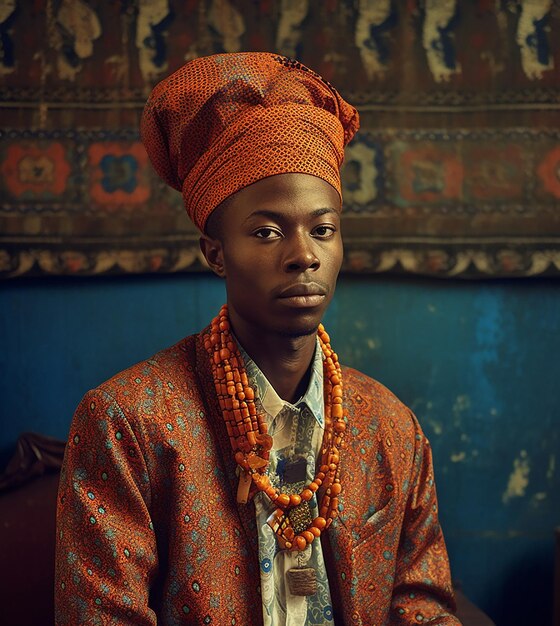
x=169, y=372
x=356, y=382
x=371, y=401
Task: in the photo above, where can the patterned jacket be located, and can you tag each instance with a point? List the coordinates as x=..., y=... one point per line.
x=149, y=530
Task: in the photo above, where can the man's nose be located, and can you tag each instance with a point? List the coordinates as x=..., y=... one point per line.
x=301, y=254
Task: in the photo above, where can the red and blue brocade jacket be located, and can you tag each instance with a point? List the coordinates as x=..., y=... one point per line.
x=149, y=530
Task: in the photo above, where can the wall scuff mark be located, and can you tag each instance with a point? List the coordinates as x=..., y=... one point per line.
x=518, y=479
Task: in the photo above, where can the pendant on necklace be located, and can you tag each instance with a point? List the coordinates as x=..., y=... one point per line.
x=302, y=581
x=243, y=487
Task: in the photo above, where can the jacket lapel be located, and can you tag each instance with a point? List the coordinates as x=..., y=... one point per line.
x=245, y=512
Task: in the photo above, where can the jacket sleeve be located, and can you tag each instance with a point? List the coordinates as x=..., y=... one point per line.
x=422, y=589
x=106, y=556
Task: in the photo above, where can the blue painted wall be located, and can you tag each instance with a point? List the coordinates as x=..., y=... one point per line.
x=478, y=362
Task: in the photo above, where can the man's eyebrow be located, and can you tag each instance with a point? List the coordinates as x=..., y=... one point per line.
x=278, y=215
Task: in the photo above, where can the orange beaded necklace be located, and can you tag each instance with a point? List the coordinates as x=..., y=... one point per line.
x=251, y=443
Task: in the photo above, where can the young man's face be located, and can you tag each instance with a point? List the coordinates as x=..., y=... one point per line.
x=280, y=250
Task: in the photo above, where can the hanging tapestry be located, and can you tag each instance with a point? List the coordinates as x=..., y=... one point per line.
x=454, y=173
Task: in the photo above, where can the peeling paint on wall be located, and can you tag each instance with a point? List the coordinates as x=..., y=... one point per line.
x=458, y=457
x=538, y=498
x=551, y=467
x=436, y=427
x=461, y=404
x=518, y=479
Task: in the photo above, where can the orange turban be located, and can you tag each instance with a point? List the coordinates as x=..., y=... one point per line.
x=223, y=122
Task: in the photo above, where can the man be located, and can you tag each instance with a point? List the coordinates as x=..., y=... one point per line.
x=241, y=476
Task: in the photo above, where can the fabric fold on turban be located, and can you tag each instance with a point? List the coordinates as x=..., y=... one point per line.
x=223, y=122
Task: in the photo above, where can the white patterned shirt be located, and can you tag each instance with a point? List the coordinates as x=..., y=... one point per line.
x=297, y=430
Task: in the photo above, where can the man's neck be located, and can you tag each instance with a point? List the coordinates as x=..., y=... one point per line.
x=285, y=361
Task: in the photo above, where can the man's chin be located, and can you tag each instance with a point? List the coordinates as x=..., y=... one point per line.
x=295, y=333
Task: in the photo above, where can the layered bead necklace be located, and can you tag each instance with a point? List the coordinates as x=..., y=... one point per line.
x=251, y=444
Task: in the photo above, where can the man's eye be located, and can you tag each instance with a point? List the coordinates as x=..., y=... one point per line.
x=324, y=231
x=267, y=233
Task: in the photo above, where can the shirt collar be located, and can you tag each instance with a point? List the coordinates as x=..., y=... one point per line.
x=272, y=403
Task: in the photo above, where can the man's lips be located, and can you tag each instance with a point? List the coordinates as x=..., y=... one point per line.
x=303, y=295
x=302, y=289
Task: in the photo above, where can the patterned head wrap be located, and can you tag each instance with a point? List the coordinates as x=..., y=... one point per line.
x=223, y=122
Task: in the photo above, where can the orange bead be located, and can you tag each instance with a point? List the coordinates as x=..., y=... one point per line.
x=249, y=392
x=295, y=499
x=306, y=494
x=308, y=536
x=336, y=489
x=316, y=532
x=319, y=522
x=252, y=438
x=336, y=411
x=313, y=486
x=339, y=426
x=300, y=542
x=225, y=353
x=283, y=500
x=239, y=458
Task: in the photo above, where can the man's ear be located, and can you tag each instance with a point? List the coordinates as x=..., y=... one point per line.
x=213, y=253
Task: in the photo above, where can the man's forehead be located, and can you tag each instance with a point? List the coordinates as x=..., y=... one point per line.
x=286, y=212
